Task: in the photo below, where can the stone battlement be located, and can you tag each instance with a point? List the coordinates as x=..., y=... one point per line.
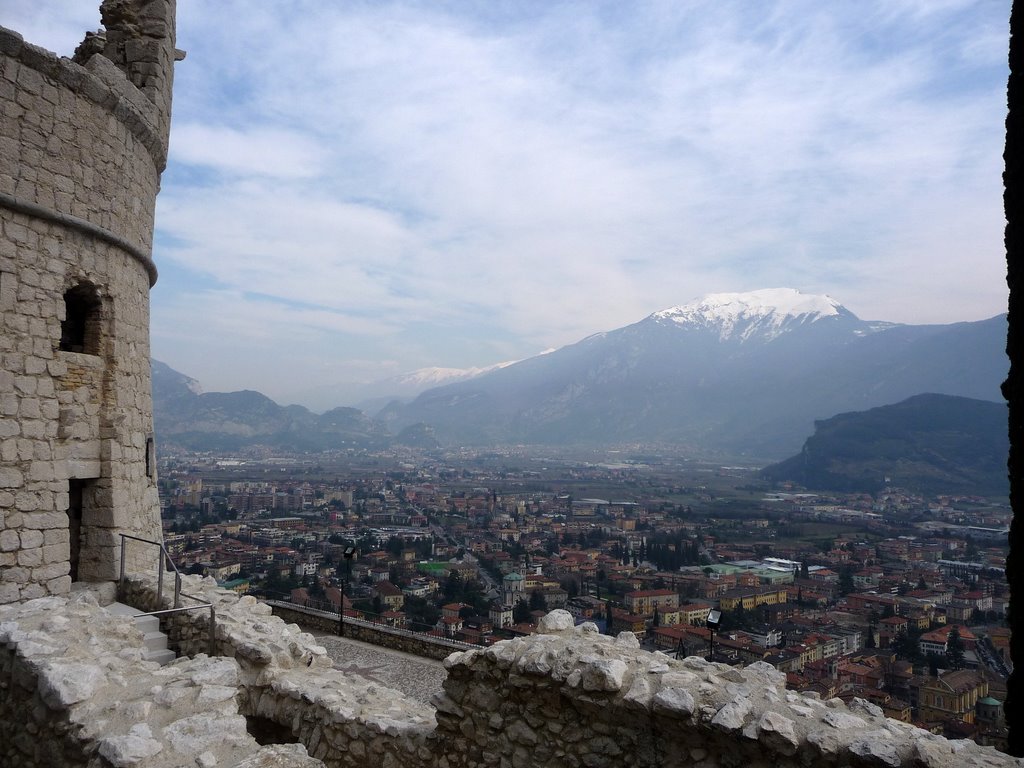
x=568, y=696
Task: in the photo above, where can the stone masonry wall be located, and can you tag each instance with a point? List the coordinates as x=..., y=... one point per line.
x=565, y=698
x=288, y=680
x=81, y=151
x=573, y=697
x=74, y=691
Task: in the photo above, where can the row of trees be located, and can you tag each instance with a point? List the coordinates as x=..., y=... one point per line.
x=907, y=646
x=667, y=552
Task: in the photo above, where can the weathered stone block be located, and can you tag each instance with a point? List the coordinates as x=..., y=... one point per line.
x=30, y=558
x=31, y=539
x=9, y=540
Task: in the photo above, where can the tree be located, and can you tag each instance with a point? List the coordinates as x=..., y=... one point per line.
x=955, y=649
x=570, y=586
x=521, y=612
x=420, y=612
x=907, y=645
x=869, y=642
x=846, y=585
x=537, y=601
x=453, y=586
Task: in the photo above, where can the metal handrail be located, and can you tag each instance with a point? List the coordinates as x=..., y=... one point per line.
x=178, y=594
x=375, y=624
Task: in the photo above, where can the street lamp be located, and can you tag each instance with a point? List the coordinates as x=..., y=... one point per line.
x=348, y=553
x=713, y=620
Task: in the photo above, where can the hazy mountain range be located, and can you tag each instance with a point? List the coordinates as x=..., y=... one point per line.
x=186, y=416
x=735, y=374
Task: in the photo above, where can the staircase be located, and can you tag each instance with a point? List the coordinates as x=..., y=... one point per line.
x=154, y=641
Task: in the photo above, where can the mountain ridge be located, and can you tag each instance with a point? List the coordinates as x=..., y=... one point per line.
x=661, y=381
x=742, y=375
x=927, y=443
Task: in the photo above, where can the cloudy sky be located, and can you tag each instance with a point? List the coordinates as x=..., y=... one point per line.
x=359, y=189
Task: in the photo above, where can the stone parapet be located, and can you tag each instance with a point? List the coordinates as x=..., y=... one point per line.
x=571, y=696
x=566, y=697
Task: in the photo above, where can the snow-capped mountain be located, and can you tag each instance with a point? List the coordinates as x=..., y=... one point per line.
x=425, y=378
x=763, y=314
x=406, y=386
x=738, y=374
x=742, y=373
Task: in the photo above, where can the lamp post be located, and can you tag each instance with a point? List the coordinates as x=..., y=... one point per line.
x=713, y=620
x=348, y=553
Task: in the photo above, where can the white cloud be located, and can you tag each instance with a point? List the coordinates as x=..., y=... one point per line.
x=457, y=184
x=55, y=26
x=258, y=152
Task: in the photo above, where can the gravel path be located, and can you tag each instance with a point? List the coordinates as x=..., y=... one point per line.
x=414, y=676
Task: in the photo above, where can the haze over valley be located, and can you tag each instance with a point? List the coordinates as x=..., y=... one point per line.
x=742, y=376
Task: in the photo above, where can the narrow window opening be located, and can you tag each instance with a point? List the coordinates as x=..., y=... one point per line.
x=80, y=329
x=150, y=457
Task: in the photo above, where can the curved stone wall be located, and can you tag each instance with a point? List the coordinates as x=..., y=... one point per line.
x=81, y=151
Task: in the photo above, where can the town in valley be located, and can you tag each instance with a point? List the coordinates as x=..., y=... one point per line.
x=893, y=597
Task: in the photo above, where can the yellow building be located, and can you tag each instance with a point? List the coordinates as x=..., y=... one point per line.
x=951, y=696
x=643, y=602
x=751, y=598
x=670, y=618
x=694, y=613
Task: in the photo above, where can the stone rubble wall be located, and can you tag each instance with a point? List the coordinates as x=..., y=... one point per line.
x=564, y=698
x=287, y=679
x=75, y=691
x=573, y=697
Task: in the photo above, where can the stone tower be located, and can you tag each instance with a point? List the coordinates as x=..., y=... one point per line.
x=82, y=145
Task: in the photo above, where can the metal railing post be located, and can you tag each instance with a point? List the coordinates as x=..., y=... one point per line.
x=120, y=578
x=213, y=632
x=160, y=580
x=165, y=562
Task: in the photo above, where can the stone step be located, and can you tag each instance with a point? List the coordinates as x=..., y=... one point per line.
x=154, y=641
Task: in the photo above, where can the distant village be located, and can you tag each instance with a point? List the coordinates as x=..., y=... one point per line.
x=894, y=598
